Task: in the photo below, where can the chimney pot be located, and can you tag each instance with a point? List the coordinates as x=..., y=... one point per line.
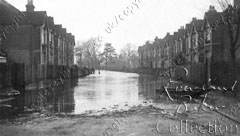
x=211, y=7
x=30, y=7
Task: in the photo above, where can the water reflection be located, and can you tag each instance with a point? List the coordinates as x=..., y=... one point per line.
x=108, y=91
x=147, y=86
x=59, y=99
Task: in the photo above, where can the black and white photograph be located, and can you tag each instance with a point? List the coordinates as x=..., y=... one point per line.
x=119, y=67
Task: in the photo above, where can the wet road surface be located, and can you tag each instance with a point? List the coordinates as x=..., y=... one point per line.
x=107, y=91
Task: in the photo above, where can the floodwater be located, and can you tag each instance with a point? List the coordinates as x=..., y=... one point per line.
x=106, y=91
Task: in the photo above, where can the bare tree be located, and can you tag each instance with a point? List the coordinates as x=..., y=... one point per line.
x=79, y=55
x=129, y=52
x=88, y=52
x=231, y=17
x=109, y=54
x=224, y=3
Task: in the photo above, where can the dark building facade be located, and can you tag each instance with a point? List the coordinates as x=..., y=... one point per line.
x=39, y=43
x=202, y=46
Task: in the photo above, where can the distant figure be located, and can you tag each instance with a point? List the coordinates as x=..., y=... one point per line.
x=99, y=72
x=93, y=71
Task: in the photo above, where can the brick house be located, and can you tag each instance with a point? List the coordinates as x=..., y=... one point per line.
x=50, y=40
x=57, y=44
x=9, y=22
x=39, y=44
x=187, y=37
x=202, y=47
x=217, y=48
x=181, y=40
x=70, y=49
x=196, y=37
x=161, y=54
x=155, y=49
x=168, y=50
x=145, y=56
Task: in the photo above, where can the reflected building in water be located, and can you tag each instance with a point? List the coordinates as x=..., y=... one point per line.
x=109, y=91
x=56, y=100
x=148, y=84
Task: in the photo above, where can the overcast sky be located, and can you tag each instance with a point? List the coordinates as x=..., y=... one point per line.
x=149, y=18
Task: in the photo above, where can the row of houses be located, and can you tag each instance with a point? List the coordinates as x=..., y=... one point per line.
x=201, y=46
x=32, y=38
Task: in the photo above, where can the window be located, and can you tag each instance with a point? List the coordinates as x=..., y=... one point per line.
x=193, y=41
x=196, y=41
x=42, y=36
x=50, y=36
x=208, y=36
x=180, y=46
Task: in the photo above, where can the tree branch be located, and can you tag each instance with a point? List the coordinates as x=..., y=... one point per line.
x=223, y=4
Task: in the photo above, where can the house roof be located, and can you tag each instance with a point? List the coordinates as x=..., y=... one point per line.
x=9, y=14
x=181, y=33
x=58, y=29
x=140, y=48
x=212, y=15
x=64, y=32
x=197, y=23
x=69, y=37
x=50, y=22
x=156, y=40
x=161, y=43
x=175, y=35
x=188, y=27
x=73, y=39
x=168, y=38
x=147, y=44
x=36, y=18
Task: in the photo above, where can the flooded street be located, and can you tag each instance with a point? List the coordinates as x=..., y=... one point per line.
x=117, y=103
x=112, y=91
x=104, y=92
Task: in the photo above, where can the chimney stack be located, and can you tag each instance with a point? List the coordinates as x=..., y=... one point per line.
x=211, y=8
x=194, y=19
x=30, y=7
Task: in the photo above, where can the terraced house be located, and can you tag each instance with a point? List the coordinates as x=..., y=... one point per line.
x=9, y=22
x=201, y=46
x=40, y=44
